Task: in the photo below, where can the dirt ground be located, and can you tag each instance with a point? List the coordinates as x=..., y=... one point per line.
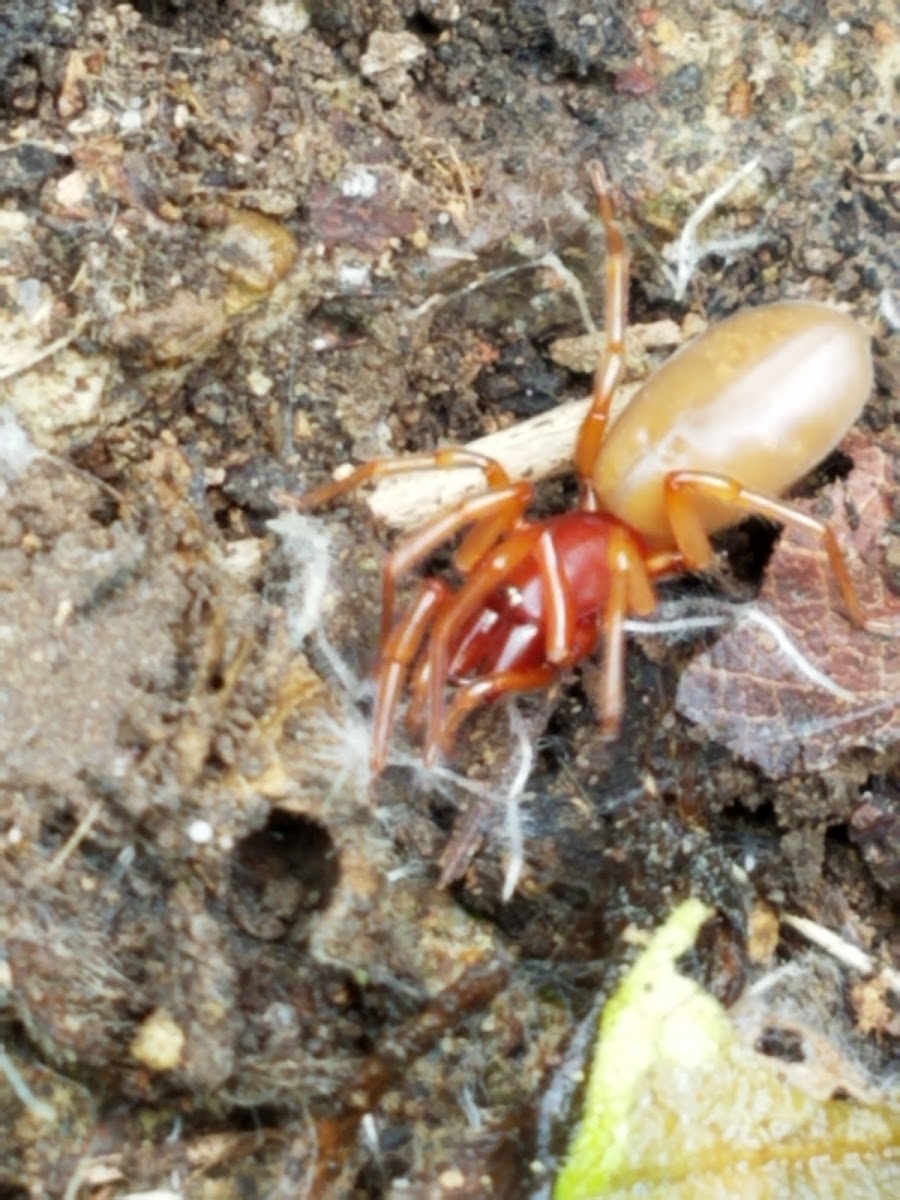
x=241, y=243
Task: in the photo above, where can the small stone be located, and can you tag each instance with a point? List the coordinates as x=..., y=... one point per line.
x=159, y=1042
x=387, y=51
x=452, y=1180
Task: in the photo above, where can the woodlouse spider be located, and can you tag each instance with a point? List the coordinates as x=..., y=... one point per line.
x=721, y=430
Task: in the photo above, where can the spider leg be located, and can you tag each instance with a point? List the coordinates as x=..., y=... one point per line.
x=609, y=369
x=486, y=578
x=447, y=458
x=685, y=491
x=490, y=513
x=397, y=655
x=493, y=513
x=665, y=562
x=560, y=611
x=558, y=648
x=470, y=696
x=630, y=591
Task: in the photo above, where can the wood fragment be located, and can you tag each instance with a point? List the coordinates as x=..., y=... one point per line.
x=538, y=448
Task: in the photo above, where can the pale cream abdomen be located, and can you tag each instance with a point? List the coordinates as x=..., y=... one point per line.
x=761, y=398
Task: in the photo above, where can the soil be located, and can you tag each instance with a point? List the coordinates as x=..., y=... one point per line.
x=241, y=243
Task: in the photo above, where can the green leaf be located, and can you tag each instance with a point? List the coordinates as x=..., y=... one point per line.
x=677, y=1107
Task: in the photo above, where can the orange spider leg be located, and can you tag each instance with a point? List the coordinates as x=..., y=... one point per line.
x=560, y=613
x=606, y=377
x=665, y=562
x=685, y=488
x=630, y=591
x=447, y=458
x=470, y=696
x=474, y=591
x=492, y=513
x=484, y=535
x=558, y=644
x=418, y=696
x=397, y=655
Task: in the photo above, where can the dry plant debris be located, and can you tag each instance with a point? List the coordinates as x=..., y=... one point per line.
x=536, y=448
x=680, y=1104
x=746, y=694
x=239, y=242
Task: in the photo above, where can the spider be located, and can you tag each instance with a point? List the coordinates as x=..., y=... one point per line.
x=721, y=430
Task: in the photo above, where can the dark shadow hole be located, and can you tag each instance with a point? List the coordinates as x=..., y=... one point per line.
x=837, y=465
x=57, y=826
x=168, y=13
x=160, y=12
x=423, y=27
x=785, y=1044
x=283, y=874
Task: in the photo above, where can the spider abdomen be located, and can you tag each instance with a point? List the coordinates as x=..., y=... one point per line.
x=761, y=398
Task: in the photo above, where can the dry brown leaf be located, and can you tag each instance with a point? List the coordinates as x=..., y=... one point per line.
x=745, y=691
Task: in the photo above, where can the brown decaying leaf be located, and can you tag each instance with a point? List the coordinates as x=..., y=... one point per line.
x=745, y=692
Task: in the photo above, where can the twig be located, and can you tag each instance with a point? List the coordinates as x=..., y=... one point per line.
x=534, y=449
x=538, y=448
x=79, y=833
x=844, y=951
